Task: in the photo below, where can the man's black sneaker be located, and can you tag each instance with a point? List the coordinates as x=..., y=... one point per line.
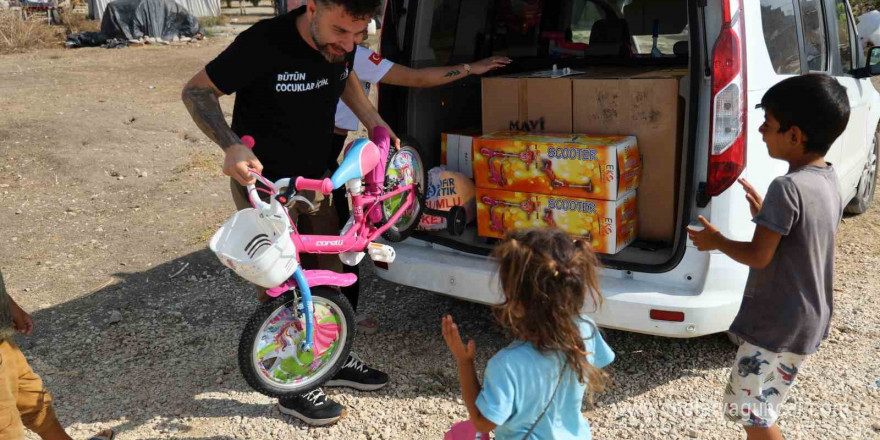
x=356, y=374
x=313, y=408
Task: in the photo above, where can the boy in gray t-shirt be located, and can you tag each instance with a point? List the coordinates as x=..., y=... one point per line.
x=787, y=304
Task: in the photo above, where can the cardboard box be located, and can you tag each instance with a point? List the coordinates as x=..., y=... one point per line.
x=456, y=151
x=466, y=155
x=518, y=103
x=587, y=166
x=449, y=150
x=644, y=103
x=609, y=226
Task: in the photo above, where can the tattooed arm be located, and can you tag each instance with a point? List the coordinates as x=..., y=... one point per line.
x=400, y=75
x=202, y=99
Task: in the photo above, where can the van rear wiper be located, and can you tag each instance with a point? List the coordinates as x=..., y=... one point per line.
x=702, y=5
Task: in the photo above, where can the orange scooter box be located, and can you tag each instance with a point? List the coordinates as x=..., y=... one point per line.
x=609, y=226
x=596, y=167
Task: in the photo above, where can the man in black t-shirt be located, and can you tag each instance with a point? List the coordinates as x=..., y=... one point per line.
x=287, y=74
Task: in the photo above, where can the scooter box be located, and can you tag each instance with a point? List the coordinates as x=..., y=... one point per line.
x=609, y=226
x=597, y=167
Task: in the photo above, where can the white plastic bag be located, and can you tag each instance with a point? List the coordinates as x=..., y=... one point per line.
x=445, y=190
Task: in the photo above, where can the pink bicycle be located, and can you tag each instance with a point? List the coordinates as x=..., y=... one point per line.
x=300, y=339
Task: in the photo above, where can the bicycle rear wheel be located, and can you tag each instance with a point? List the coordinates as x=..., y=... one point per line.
x=404, y=167
x=269, y=353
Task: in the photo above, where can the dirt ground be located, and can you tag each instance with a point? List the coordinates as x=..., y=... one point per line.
x=108, y=195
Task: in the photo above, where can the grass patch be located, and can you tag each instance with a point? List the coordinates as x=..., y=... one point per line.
x=211, y=21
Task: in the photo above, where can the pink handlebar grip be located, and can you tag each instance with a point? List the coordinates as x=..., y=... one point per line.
x=322, y=186
x=248, y=141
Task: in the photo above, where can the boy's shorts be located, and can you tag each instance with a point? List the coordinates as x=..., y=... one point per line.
x=758, y=385
x=23, y=399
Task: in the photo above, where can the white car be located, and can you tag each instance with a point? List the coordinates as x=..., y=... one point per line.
x=734, y=51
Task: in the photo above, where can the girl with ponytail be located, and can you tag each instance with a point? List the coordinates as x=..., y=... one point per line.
x=534, y=388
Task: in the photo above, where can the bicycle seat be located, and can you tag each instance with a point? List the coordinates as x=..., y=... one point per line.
x=361, y=156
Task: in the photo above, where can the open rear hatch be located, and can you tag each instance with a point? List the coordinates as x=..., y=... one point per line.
x=616, y=88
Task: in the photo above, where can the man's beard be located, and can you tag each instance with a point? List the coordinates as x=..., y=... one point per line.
x=324, y=48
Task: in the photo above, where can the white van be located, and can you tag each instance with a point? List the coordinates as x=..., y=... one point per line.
x=732, y=50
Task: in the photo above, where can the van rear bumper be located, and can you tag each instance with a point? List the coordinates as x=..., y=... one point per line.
x=709, y=303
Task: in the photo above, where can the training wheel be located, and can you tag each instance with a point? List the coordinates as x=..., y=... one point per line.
x=456, y=220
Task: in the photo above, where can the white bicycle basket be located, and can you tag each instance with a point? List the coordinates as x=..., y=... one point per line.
x=258, y=249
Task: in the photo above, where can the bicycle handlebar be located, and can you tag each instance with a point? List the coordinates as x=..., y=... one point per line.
x=381, y=137
x=324, y=186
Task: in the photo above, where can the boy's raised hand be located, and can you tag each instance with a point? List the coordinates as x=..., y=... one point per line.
x=453, y=341
x=755, y=200
x=707, y=239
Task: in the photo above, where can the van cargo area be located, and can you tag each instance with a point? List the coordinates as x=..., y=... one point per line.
x=594, y=70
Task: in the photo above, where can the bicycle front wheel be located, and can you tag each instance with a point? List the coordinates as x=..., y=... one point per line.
x=270, y=354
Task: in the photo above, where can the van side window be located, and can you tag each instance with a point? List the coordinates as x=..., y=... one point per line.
x=780, y=35
x=453, y=31
x=443, y=18
x=813, y=22
x=843, y=38
x=583, y=15
x=671, y=17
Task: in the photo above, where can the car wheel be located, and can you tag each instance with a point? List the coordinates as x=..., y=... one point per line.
x=868, y=184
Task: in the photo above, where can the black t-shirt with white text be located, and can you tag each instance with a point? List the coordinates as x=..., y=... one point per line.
x=285, y=95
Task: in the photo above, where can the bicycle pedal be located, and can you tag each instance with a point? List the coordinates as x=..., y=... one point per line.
x=381, y=252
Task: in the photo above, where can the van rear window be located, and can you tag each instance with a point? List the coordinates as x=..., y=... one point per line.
x=453, y=31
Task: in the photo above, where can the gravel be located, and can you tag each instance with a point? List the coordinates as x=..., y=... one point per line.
x=168, y=370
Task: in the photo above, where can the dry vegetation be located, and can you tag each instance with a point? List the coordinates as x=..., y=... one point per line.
x=20, y=35
x=209, y=21
x=859, y=7
x=17, y=35
x=74, y=22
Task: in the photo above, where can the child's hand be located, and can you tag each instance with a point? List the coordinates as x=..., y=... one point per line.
x=453, y=341
x=707, y=239
x=21, y=320
x=755, y=200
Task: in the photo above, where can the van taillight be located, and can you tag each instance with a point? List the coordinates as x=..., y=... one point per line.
x=727, y=145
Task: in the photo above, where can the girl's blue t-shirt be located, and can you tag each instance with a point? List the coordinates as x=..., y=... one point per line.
x=519, y=381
